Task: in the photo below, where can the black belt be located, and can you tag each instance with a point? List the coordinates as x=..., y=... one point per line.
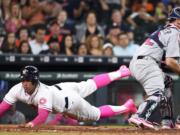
x=140, y=57
x=66, y=98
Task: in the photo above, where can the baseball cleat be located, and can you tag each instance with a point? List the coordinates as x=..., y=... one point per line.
x=135, y=122
x=177, y=126
x=166, y=127
x=167, y=124
x=124, y=71
x=178, y=122
x=130, y=104
x=141, y=123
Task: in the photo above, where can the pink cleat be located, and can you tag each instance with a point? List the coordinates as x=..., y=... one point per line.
x=141, y=123
x=124, y=71
x=130, y=104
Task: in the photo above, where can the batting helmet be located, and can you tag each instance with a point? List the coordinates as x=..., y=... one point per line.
x=175, y=13
x=30, y=73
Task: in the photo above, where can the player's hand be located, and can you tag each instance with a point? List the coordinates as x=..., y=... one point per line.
x=29, y=125
x=21, y=126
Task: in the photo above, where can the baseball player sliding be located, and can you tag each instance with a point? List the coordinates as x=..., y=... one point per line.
x=66, y=98
x=162, y=45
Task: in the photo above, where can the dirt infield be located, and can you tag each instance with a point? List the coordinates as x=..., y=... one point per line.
x=86, y=130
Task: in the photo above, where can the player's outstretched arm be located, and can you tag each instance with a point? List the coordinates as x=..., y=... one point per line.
x=173, y=65
x=106, y=78
x=40, y=118
x=4, y=106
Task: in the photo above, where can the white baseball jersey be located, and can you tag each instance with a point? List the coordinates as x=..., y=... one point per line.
x=69, y=100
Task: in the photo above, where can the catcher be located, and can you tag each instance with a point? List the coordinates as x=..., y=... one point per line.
x=162, y=45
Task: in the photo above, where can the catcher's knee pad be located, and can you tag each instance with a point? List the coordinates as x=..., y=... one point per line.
x=166, y=106
x=149, y=106
x=168, y=82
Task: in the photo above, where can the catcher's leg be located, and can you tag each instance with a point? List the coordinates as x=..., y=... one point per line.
x=146, y=109
x=166, y=109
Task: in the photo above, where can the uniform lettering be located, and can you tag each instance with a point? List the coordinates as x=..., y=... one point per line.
x=148, y=42
x=166, y=31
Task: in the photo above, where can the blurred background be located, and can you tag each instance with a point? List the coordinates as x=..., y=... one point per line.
x=72, y=40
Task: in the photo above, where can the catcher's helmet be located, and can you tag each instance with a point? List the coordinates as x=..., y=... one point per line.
x=175, y=13
x=30, y=73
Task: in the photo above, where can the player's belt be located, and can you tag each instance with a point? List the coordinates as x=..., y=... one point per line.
x=147, y=57
x=66, y=98
x=140, y=57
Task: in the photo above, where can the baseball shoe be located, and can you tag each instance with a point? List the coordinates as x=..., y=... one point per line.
x=178, y=122
x=130, y=104
x=177, y=126
x=167, y=124
x=141, y=123
x=124, y=71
